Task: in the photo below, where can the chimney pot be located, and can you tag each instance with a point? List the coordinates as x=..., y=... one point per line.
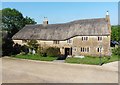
x=107, y=13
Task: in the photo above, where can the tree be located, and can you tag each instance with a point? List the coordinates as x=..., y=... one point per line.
x=28, y=20
x=115, y=36
x=116, y=51
x=12, y=22
x=7, y=47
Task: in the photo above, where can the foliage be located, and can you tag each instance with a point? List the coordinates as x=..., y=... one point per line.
x=53, y=51
x=116, y=51
x=24, y=49
x=35, y=57
x=33, y=44
x=0, y=20
x=115, y=36
x=42, y=51
x=12, y=22
x=28, y=20
x=7, y=46
x=92, y=60
x=16, y=49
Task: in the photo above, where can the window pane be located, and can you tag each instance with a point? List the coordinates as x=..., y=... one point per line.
x=82, y=38
x=86, y=38
x=87, y=49
x=98, y=50
x=81, y=49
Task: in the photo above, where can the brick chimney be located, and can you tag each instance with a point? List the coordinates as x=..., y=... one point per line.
x=45, y=21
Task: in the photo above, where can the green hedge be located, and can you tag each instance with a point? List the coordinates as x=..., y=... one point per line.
x=53, y=51
x=116, y=51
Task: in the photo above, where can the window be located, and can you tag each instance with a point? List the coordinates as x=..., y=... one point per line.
x=74, y=48
x=99, y=50
x=56, y=42
x=84, y=38
x=84, y=49
x=81, y=49
x=87, y=49
x=99, y=38
x=69, y=41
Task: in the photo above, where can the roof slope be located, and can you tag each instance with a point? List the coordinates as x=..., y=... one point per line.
x=64, y=31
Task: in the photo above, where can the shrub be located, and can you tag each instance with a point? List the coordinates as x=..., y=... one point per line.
x=33, y=44
x=116, y=51
x=42, y=51
x=16, y=49
x=53, y=51
x=25, y=49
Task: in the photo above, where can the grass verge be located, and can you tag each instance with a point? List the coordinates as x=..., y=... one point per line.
x=93, y=60
x=35, y=57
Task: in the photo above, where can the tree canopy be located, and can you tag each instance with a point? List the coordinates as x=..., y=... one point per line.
x=13, y=20
x=115, y=36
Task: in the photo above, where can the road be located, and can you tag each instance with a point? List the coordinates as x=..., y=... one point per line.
x=29, y=71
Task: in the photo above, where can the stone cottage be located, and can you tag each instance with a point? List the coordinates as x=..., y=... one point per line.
x=79, y=37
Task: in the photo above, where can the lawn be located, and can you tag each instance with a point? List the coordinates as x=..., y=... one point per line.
x=87, y=60
x=35, y=57
x=92, y=60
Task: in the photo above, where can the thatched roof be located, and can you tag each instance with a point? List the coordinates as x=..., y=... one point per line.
x=64, y=31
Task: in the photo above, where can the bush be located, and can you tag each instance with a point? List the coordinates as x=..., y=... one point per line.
x=16, y=49
x=42, y=51
x=116, y=51
x=53, y=51
x=33, y=44
x=24, y=49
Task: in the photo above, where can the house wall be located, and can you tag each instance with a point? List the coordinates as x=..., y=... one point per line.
x=19, y=42
x=92, y=43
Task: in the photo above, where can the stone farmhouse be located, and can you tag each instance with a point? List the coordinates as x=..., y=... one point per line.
x=79, y=37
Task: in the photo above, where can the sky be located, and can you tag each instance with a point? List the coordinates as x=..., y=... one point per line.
x=62, y=12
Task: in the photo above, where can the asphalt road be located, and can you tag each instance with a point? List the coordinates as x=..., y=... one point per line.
x=27, y=71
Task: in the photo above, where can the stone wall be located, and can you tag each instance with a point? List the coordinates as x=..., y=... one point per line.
x=93, y=44
x=76, y=43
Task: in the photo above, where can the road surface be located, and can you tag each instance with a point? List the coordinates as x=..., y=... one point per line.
x=31, y=71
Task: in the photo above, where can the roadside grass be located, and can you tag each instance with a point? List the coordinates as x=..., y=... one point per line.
x=34, y=57
x=93, y=60
x=87, y=60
